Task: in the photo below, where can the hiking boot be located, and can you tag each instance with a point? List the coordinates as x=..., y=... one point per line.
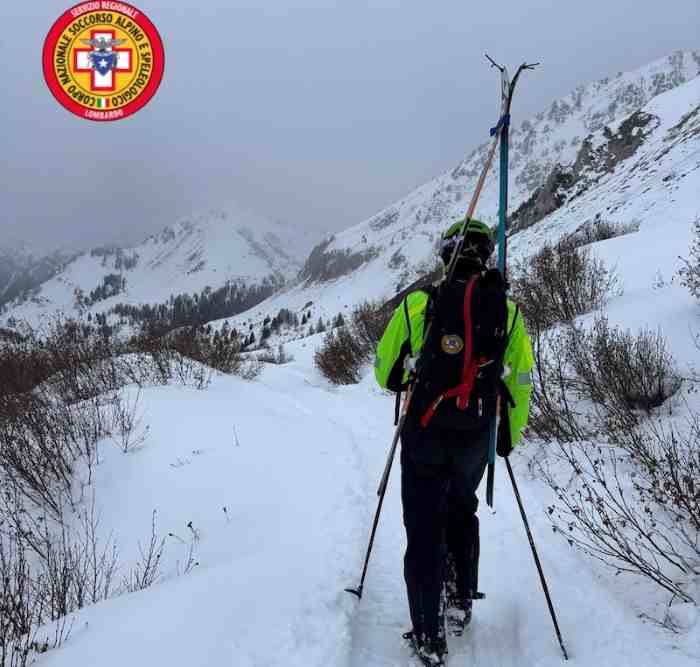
x=458, y=616
x=414, y=642
x=430, y=652
x=433, y=652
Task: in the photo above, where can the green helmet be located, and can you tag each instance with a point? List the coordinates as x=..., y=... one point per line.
x=478, y=244
x=473, y=227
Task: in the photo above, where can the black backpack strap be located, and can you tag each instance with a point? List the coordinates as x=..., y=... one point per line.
x=408, y=344
x=431, y=306
x=408, y=324
x=515, y=320
x=505, y=393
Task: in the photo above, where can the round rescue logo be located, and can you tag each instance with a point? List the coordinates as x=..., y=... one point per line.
x=103, y=60
x=452, y=344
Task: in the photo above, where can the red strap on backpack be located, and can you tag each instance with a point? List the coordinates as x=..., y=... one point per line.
x=470, y=367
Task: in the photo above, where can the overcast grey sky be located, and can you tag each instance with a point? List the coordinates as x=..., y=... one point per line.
x=314, y=112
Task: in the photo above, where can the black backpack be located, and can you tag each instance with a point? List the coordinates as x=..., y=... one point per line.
x=461, y=365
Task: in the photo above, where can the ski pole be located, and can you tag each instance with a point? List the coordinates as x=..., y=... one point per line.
x=545, y=588
x=392, y=451
x=382, y=492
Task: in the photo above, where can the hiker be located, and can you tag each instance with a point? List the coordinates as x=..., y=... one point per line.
x=477, y=350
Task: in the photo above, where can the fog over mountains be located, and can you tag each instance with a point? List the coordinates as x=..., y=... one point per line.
x=600, y=152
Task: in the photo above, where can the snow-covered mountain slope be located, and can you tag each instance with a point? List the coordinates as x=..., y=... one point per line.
x=23, y=271
x=656, y=189
x=625, y=150
x=295, y=464
x=230, y=245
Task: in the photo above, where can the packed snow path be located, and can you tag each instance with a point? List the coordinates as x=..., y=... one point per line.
x=296, y=464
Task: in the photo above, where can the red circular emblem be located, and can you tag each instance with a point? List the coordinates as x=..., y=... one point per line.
x=103, y=60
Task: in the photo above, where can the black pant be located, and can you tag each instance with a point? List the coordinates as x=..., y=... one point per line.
x=440, y=472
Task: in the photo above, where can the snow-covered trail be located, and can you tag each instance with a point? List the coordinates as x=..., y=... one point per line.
x=300, y=492
x=512, y=626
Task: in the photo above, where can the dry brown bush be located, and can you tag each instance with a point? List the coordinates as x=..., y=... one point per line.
x=561, y=282
x=600, y=230
x=690, y=272
x=626, y=488
x=60, y=395
x=600, y=380
x=348, y=348
x=633, y=505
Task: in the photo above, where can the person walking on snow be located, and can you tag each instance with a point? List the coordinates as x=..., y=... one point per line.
x=477, y=350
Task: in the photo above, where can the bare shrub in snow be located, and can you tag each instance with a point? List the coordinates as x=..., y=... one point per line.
x=279, y=357
x=78, y=360
x=600, y=230
x=368, y=323
x=598, y=380
x=147, y=570
x=690, y=273
x=554, y=413
x=634, y=506
x=20, y=611
x=78, y=568
x=561, y=282
x=347, y=349
x=39, y=444
x=54, y=409
x=128, y=430
x=250, y=369
x=187, y=355
x=341, y=357
x=625, y=373
x=626, y=488
x=71, y=567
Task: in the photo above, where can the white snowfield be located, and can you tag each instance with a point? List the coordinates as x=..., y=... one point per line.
x=296, y=464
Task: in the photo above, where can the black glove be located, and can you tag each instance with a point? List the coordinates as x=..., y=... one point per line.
x=504, y=444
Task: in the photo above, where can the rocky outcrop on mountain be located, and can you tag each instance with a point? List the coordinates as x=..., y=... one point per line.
x=326, y=264
x=599, y=154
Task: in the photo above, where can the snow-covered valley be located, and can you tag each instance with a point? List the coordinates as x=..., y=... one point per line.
x=295, y=462
x=264, y=489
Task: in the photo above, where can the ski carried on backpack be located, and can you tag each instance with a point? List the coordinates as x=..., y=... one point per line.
x=502, y=132
x=499, y=134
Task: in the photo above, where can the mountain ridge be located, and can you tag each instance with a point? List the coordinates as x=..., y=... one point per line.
x=383, y=254
x=220, y=247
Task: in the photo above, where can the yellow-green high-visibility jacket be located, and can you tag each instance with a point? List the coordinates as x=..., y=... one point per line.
x=394, y=347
